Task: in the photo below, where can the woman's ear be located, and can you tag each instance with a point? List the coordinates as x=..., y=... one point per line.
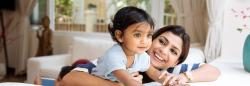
x=176, y=63
x=118, y=36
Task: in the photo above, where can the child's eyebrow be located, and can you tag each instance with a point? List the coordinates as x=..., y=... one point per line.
x=138, y=31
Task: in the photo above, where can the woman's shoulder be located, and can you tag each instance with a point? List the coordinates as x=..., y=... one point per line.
x=184, y=67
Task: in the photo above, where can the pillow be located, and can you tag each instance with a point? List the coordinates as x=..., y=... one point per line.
x=80, y=61
x=195, y=55
x=90, y=48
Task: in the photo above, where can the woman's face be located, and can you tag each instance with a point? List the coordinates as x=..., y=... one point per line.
x=165, y=50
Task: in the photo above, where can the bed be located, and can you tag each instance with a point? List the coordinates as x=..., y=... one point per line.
x=232, y=73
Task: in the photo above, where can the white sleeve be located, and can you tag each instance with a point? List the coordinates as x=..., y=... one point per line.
x=144, y=63
x=114, y=62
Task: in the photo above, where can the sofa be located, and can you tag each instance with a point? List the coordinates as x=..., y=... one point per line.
x=82, y=47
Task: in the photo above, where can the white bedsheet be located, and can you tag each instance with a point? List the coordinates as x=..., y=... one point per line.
x=232, y=73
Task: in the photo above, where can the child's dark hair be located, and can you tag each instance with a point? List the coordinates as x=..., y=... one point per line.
x=127, y=16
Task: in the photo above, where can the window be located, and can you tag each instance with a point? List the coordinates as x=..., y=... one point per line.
x=38, y=12
x=169, y=14
x=95, y=15
x=90, y=15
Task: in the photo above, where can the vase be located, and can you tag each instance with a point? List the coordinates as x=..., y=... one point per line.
x=246, y=54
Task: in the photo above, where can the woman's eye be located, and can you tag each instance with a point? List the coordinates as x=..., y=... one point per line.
x=162, y=42
x=137, y=35
x=173, y=51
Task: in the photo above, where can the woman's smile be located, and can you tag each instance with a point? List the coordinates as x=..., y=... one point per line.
x=157, y=57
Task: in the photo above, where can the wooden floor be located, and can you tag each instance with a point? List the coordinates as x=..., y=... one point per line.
x=12, y=78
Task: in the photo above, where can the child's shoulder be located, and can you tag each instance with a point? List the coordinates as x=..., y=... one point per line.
x=144, y=54
x=114, y=51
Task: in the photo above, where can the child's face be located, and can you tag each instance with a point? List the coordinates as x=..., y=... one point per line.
x=136, y=38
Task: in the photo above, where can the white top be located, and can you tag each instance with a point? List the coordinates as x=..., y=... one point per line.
x=115, y=59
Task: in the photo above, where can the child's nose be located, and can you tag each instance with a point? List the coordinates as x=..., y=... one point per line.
x=145, y=40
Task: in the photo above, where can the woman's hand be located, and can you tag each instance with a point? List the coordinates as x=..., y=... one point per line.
x=137, y=77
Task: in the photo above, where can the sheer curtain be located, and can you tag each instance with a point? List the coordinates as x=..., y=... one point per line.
x=17, y=31
x=192, y=15
x=157, y=12
x=214, y=38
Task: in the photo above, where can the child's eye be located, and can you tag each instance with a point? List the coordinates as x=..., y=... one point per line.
x=150, y=35
x=137, y=35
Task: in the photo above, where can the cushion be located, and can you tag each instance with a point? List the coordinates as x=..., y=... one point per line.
x=50, y=71
x=195, y=55
x=80, y=61
x=90, y=48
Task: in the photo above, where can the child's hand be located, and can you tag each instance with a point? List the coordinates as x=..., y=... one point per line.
x=173, y=80
x=137, y=77
x=180, y=79
x=166, y=77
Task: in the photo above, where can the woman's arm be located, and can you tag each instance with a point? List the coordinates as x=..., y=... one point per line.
x=75, y=78
x=205, y=72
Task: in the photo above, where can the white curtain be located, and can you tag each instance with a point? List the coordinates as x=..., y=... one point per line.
x=157, y=12
x=214, y=38
x=192, y=15
x=17, y=31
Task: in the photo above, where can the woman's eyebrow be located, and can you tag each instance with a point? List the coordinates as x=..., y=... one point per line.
x=174, y=46
x=164, y=38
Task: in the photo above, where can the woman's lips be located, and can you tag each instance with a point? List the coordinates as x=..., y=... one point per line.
x=158, y=58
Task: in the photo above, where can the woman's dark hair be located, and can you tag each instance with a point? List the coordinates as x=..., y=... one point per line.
x=127, y=16
x=180, y=32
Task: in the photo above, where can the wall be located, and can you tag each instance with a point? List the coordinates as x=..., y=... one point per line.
x=61, y=40
x=237, y=15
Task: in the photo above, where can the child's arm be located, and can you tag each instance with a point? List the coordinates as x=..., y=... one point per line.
x=155, y=74
x=124, y=77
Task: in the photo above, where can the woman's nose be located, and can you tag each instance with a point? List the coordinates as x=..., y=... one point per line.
x=164, y=51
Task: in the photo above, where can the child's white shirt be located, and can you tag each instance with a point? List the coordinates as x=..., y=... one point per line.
x=115, y=59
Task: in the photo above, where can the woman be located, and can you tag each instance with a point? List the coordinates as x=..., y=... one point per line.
x=170, y=47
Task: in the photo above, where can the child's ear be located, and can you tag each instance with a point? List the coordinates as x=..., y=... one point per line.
x=118, y=35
